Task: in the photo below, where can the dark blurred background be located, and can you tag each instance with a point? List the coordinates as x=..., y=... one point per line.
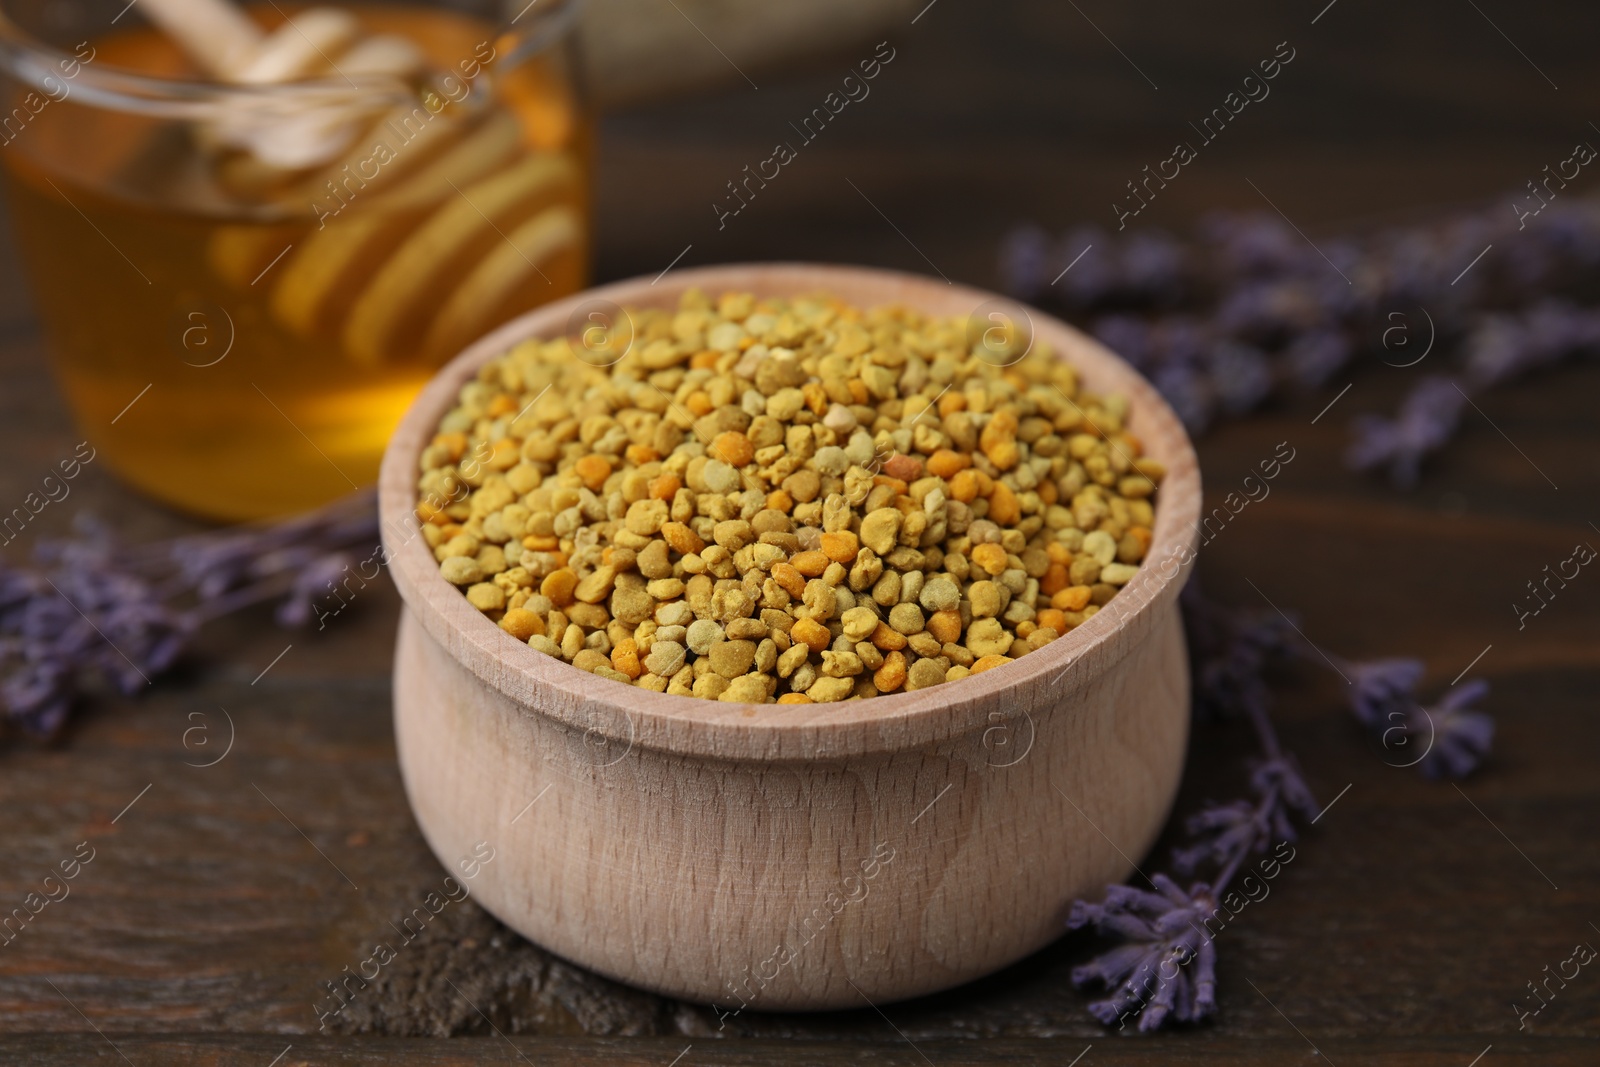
x=1002, y=112
x=1013, y=111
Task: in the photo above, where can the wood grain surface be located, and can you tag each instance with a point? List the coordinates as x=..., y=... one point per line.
x=219, y=904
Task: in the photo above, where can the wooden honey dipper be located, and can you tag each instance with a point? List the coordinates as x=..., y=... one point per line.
x=460, y=214
x=232, y=48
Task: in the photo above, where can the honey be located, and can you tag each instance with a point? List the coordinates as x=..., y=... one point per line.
x=240, y=341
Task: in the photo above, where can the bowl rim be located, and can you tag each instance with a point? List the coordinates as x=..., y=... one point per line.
x=635, y=717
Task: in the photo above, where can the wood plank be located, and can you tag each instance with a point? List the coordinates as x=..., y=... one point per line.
x=209, y=1050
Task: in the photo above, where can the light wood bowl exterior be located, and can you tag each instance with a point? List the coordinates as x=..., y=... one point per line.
x=793, y=857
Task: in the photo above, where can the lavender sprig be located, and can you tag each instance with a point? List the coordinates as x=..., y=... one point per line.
x=1461, y=736
x=1228, y=834
x=1229, y=651
x=1168, y=957
x=60, y=625
x=1166, y=970
x=1248, y=310
x=1426, y=421
x=1453, y=738
x=1380, y=687
x=93, y=610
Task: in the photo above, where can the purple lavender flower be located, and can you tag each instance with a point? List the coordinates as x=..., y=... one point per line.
x=1223, y=831
x=1152, y=263
x=1265, y=309
x=1024, y=261
x=1506, y=346
x=1558, y=327
x=1461, y=736
x=1186, y=389
x=1346, y=256
x=1181, y=339
x=1455, y=738
x=1496, y=350
x=1426, y=420
x=95, y=610
x=62, y=628
x=1381, y=688
x=1253, y=243
x=1166, y=929
x=36, y=688
x=1241, y=377
x=1250, y=310
x=1127, y=336
x=1228, y=834
x=1167, y=971
x=1260, y=307
x=1339, y=301
x=1229, y=649
x=1317, y=355
x=1529, y=264
x=1280, y=781
x=1415, y=267
x=1570, y=229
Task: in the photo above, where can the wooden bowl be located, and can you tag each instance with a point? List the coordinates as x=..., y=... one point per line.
x=792, y=857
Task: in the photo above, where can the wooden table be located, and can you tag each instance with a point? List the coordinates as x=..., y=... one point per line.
x=222, y=899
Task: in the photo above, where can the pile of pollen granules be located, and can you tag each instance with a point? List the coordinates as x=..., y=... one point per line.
x=786, y=500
